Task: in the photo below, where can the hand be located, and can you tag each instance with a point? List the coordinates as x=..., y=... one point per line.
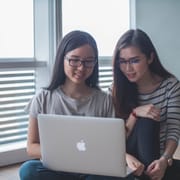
x=149, y=111
x=156, y=169
x=134, y=164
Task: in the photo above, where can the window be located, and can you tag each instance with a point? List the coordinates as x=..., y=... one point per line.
x=16, y=40
x=105, y=20
x=16, y=86
x=25, y=50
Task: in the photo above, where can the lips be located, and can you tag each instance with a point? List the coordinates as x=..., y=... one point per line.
x=79, y=75
x=130, y=75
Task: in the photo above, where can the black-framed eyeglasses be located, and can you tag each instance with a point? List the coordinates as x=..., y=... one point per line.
x=130, y=61
x=77, y=62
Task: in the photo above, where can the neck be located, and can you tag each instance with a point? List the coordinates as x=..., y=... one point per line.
x=76, y=91
x=149, y=84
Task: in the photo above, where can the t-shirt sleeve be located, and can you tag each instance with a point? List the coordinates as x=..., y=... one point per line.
x=34, y=107
x=109, y=106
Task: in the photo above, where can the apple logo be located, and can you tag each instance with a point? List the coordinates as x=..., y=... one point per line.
x=81, y=145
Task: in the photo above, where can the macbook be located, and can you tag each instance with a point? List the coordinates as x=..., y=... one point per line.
x=81, y=144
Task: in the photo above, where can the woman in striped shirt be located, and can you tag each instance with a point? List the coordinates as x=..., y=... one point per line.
x=148, y=97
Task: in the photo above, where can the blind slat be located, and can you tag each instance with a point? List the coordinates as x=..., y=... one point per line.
x=16, y=89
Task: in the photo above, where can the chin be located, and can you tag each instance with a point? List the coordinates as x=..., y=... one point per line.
x=132, y=79
x=78, y=82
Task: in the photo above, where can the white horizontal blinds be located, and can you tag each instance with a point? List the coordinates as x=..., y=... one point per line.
x=16, y=89
x=105, y=77
x=105, y=72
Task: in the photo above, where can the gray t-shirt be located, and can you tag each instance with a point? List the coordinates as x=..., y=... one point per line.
x=98, y=104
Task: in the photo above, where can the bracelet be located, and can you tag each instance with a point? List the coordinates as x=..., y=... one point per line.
x=168, y=158
x=134, y=114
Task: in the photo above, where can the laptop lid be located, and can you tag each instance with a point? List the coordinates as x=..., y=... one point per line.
x=81, y=144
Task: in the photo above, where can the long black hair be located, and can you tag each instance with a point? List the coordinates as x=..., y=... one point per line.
x=73, y=40
x=125, y=93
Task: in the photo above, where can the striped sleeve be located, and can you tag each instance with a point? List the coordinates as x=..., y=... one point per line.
x=173, y=111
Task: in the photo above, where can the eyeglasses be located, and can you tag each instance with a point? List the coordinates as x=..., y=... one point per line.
x=77, y=62
x=123, y=62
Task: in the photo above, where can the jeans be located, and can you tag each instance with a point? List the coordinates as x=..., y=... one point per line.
x=173, y=172
x=34, y=170
x=143, y=142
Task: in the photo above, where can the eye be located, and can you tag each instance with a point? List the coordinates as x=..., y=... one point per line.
x=134, y=61
x=90, y=61
x=121, y=61
x=74, y=61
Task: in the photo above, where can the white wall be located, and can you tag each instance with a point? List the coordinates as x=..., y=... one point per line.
x=161, y=20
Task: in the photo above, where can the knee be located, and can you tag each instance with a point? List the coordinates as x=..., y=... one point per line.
x=28, y=170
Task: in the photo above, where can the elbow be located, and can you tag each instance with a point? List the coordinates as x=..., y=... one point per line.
x=29, y=151
x=33, y=150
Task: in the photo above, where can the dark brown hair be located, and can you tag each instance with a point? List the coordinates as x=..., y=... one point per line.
x=71, y=41
x=125, y=94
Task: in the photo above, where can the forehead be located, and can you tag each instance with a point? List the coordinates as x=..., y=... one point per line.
x=82, y=51
x=130, y=51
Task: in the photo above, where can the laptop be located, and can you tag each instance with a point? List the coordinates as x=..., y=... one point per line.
x=81, y=144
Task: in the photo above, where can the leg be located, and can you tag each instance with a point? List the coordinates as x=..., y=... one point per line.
x=143, y=142
x=97, y=177
x=34, y=169
x=173, y=172
x=148, y=145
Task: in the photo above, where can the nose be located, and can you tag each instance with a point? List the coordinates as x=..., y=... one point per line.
x=82, y=66
x=129, y=66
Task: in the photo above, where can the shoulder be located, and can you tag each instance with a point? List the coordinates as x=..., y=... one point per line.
x=44, y=94
x=171, y=85
x=171, y=82
x=102, y=95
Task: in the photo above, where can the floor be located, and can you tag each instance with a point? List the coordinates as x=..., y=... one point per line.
x=9, y=172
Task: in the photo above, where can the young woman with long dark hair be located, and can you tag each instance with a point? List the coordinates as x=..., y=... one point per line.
x=148, y=97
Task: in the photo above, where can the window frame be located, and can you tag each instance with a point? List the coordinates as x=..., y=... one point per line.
x=47, y=34
x=44, y=53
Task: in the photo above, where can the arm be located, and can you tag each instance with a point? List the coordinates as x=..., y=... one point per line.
x=147, y=111
x=134, y=164
x=170, y=149
x=33, y=145
x=159, y=166
x=130, y=122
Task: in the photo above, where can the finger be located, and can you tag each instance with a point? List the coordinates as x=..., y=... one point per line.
x=156, y=178
x=154, y=116
x=149, y=168
x=141, y=170
x=138, y=172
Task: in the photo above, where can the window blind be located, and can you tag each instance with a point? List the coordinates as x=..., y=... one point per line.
x=16, y=89
x=105, y=77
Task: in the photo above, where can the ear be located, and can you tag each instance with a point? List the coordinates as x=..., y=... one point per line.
x=150, y=60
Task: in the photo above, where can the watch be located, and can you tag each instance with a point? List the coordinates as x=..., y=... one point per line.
x=168, y=158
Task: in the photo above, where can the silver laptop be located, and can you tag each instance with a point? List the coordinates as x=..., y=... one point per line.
x=81, y=144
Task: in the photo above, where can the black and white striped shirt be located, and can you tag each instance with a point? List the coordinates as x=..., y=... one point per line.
x=167, y=98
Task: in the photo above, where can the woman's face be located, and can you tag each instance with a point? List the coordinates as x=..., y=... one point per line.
x=134, y=64
x=79, y=64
